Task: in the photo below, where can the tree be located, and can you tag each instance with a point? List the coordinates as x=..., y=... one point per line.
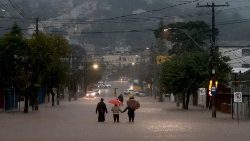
x=13, y=56
x=180, y=35
x=185, y=74
x=59, y=71
x=46, y=52
x=189, y=67
x=12, y=50
x=29, y=63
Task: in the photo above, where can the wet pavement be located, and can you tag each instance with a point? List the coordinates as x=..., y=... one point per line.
x=154, y=121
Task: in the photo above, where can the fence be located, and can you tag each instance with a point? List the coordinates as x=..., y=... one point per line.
x=242, y=109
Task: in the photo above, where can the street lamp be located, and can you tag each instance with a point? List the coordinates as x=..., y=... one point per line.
x=133, y=72
x=95, y=66
x=167, y=29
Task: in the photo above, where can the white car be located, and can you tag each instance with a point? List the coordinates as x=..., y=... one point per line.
x=91, y=94
x=128, y=91
x=108, y=85
x=140, y=93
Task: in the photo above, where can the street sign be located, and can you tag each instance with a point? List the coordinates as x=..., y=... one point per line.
x=237, y=96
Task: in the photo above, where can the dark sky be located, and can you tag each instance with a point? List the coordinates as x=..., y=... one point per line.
x=113, y=20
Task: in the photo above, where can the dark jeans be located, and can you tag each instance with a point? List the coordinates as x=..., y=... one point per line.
x=131, y=117
x=116, y=117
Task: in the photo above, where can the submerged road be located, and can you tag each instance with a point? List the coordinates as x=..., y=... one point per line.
x=154, y=121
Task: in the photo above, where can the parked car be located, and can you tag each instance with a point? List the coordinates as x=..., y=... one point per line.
x=97, y=91
x=128, y=91
x=102, y=85
x=140, y=93
x=108, y=85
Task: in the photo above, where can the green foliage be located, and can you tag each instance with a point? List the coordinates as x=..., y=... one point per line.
x=12, y=48
x=199, y=31
x=186, y=71
x=32, y=61
x=45, y=58
x=190, y=66
x=180, y=35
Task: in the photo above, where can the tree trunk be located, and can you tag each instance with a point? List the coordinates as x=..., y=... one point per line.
x=178, y=104
x=70, y=96
x=36, y=102
x=183, y=100
x=26, y=103
x=48, y=97
x=53, y=99
x=58, y=96
x=177, y=99
x=187, y=99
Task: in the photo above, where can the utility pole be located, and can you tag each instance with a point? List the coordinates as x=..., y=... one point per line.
x=84, y=75
x=35, y=75
x=115, y=92
x=37, y=26
x=213, y=53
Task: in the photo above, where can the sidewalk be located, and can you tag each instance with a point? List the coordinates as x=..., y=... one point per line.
x=196, y=111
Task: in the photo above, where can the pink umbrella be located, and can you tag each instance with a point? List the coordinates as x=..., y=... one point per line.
x=115, y=101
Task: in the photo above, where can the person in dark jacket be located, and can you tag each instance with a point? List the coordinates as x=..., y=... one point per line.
x=120, y=97
x=131, y=113
x=101, y=109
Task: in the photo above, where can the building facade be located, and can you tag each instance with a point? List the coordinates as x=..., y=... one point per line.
x=237, y=51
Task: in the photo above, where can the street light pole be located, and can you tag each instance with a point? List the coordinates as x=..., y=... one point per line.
x=95, y=66
x=133, y=73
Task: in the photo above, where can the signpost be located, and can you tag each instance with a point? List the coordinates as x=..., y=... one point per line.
x=238, y=99
x=237, y=96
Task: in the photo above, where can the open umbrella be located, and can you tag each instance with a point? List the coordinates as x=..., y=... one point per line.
x=115, y=101
x=133, y=104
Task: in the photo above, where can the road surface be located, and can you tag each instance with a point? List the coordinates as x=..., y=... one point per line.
x=154, y=121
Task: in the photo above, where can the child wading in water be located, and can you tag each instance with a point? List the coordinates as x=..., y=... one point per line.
x=116, y=109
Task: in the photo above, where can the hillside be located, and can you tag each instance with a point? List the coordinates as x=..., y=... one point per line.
x=76, y=18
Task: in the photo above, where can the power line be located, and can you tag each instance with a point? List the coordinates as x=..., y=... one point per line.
x=148, y=11
x=148, y=19
x=106, y=32
x=14, y=6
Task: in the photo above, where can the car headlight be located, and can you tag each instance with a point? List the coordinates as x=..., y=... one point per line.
x=92, y=94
